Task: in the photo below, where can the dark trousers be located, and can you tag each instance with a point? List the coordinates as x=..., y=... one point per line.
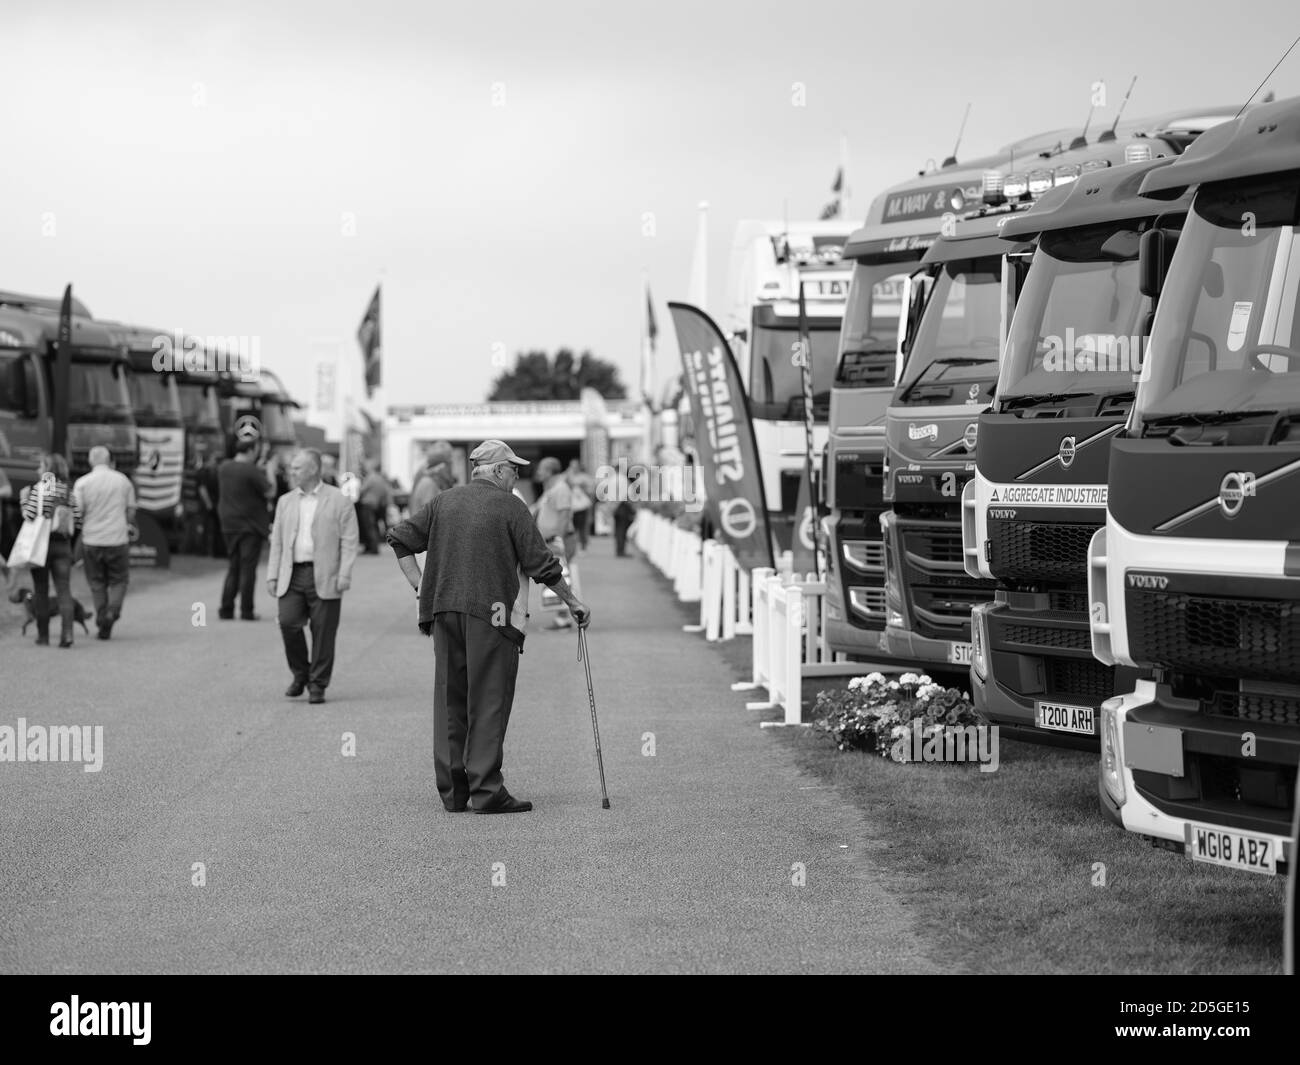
x=58, y=564
x=368, y=527
x=241, y=575
x=108, y=569
x=474, y=673
x=623, y=518
x=301, y=606
x=581, y=524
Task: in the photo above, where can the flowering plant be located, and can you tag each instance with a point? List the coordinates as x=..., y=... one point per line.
x=873, y=713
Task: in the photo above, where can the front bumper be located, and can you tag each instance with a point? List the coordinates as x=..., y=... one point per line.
x=1042, y=656
x=1160, y=737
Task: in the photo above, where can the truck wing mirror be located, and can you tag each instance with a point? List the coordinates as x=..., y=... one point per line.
x=1153, y=255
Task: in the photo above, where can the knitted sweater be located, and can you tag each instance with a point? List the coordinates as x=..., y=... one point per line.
x=478, y=537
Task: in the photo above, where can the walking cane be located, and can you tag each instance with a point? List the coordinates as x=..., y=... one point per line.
x=585, y=658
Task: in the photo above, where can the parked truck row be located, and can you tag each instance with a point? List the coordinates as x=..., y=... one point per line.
x=160, y=424
x=1062, y=440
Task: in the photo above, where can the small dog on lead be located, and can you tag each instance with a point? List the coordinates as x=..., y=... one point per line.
x=25, y=596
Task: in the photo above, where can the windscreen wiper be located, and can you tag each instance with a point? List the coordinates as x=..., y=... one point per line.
x=953, y=360
x=1030, y=399
x=1211, y=417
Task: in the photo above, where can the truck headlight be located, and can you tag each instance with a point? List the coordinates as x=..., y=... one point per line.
x=1112, y=764
x=979, y=641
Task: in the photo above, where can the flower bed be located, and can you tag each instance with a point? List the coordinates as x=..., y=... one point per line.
x=875, y=714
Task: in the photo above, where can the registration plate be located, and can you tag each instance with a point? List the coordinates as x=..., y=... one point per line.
x=1236, y=850
x=959, y=654
x=1062, y=718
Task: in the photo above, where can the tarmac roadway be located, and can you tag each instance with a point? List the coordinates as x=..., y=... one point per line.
x=232, y=830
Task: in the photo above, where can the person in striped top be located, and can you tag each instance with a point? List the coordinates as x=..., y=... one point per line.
x=53, y=495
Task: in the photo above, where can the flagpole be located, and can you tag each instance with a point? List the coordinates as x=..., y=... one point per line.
x=805, y=342
x=846, y=209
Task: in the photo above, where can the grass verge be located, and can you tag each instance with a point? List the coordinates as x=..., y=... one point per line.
x=1017, y=871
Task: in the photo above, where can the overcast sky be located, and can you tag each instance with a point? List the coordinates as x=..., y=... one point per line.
x=256, y=168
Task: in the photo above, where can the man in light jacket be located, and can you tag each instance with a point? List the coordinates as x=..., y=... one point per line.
x=313, y=547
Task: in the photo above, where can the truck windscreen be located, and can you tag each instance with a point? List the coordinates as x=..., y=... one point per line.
x=775, y=379
x=277, y=426
x=199, y=405
x=1078, y=322
x=154, y=398
x=98, y=392
x=869, y=335
x=954, y=359
x=1226, y=343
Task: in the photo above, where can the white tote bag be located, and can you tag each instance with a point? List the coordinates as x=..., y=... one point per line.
x=33, y=543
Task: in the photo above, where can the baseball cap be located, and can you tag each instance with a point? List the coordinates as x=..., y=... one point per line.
x=491, y=451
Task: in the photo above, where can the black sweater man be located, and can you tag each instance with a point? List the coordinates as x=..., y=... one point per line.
x=478, y=539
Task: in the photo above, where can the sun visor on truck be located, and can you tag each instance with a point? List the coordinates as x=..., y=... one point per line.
x=1264, y=140
x=949, y=249
x=1097, y=197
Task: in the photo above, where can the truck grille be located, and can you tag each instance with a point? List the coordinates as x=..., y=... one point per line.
x=1054, y=636
x=940, y=593
x=1040, y=550
x=1256, y=638
x=1088, y=679
x=934, y=544
x=1068, y=602
x=1254, y=706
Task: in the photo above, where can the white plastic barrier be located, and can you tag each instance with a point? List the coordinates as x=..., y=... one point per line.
x=789, y=621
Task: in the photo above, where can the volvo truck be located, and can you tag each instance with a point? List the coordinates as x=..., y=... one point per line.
x=1196, y=574
x=901, y=225
x=951, y=367
x=1066, y=383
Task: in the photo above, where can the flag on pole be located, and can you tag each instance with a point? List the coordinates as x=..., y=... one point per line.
x=832, y=209
x=648, y=350
x=368, y=336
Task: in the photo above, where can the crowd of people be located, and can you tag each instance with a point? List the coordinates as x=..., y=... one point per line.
x=66, y=523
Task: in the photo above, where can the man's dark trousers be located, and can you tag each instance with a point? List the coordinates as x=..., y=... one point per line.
x=474, y=673
x=108, y=570
x=241, y=575
x=300, y=606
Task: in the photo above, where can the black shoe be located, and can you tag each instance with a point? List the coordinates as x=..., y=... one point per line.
x=226, y=615
x=65, y=641
x=507, y=805
x=42, y=641
x=316, y=695
x=250, y=617
x=458, y=806
x=295, y=689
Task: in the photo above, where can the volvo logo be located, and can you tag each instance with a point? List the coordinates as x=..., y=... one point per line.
x=1233, y=491
x=1148, y=580
x=968, y=438
x=1067, y=452
x=737, y=517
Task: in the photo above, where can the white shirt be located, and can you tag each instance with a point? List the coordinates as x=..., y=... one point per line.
x=304, y=548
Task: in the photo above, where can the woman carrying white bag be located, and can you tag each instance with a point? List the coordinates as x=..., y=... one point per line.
x=51, y=519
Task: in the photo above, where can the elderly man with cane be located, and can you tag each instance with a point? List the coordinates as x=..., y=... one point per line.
x=479, y=538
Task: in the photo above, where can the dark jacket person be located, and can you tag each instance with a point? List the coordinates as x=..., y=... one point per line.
x=478, y=537
x=244, y=490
